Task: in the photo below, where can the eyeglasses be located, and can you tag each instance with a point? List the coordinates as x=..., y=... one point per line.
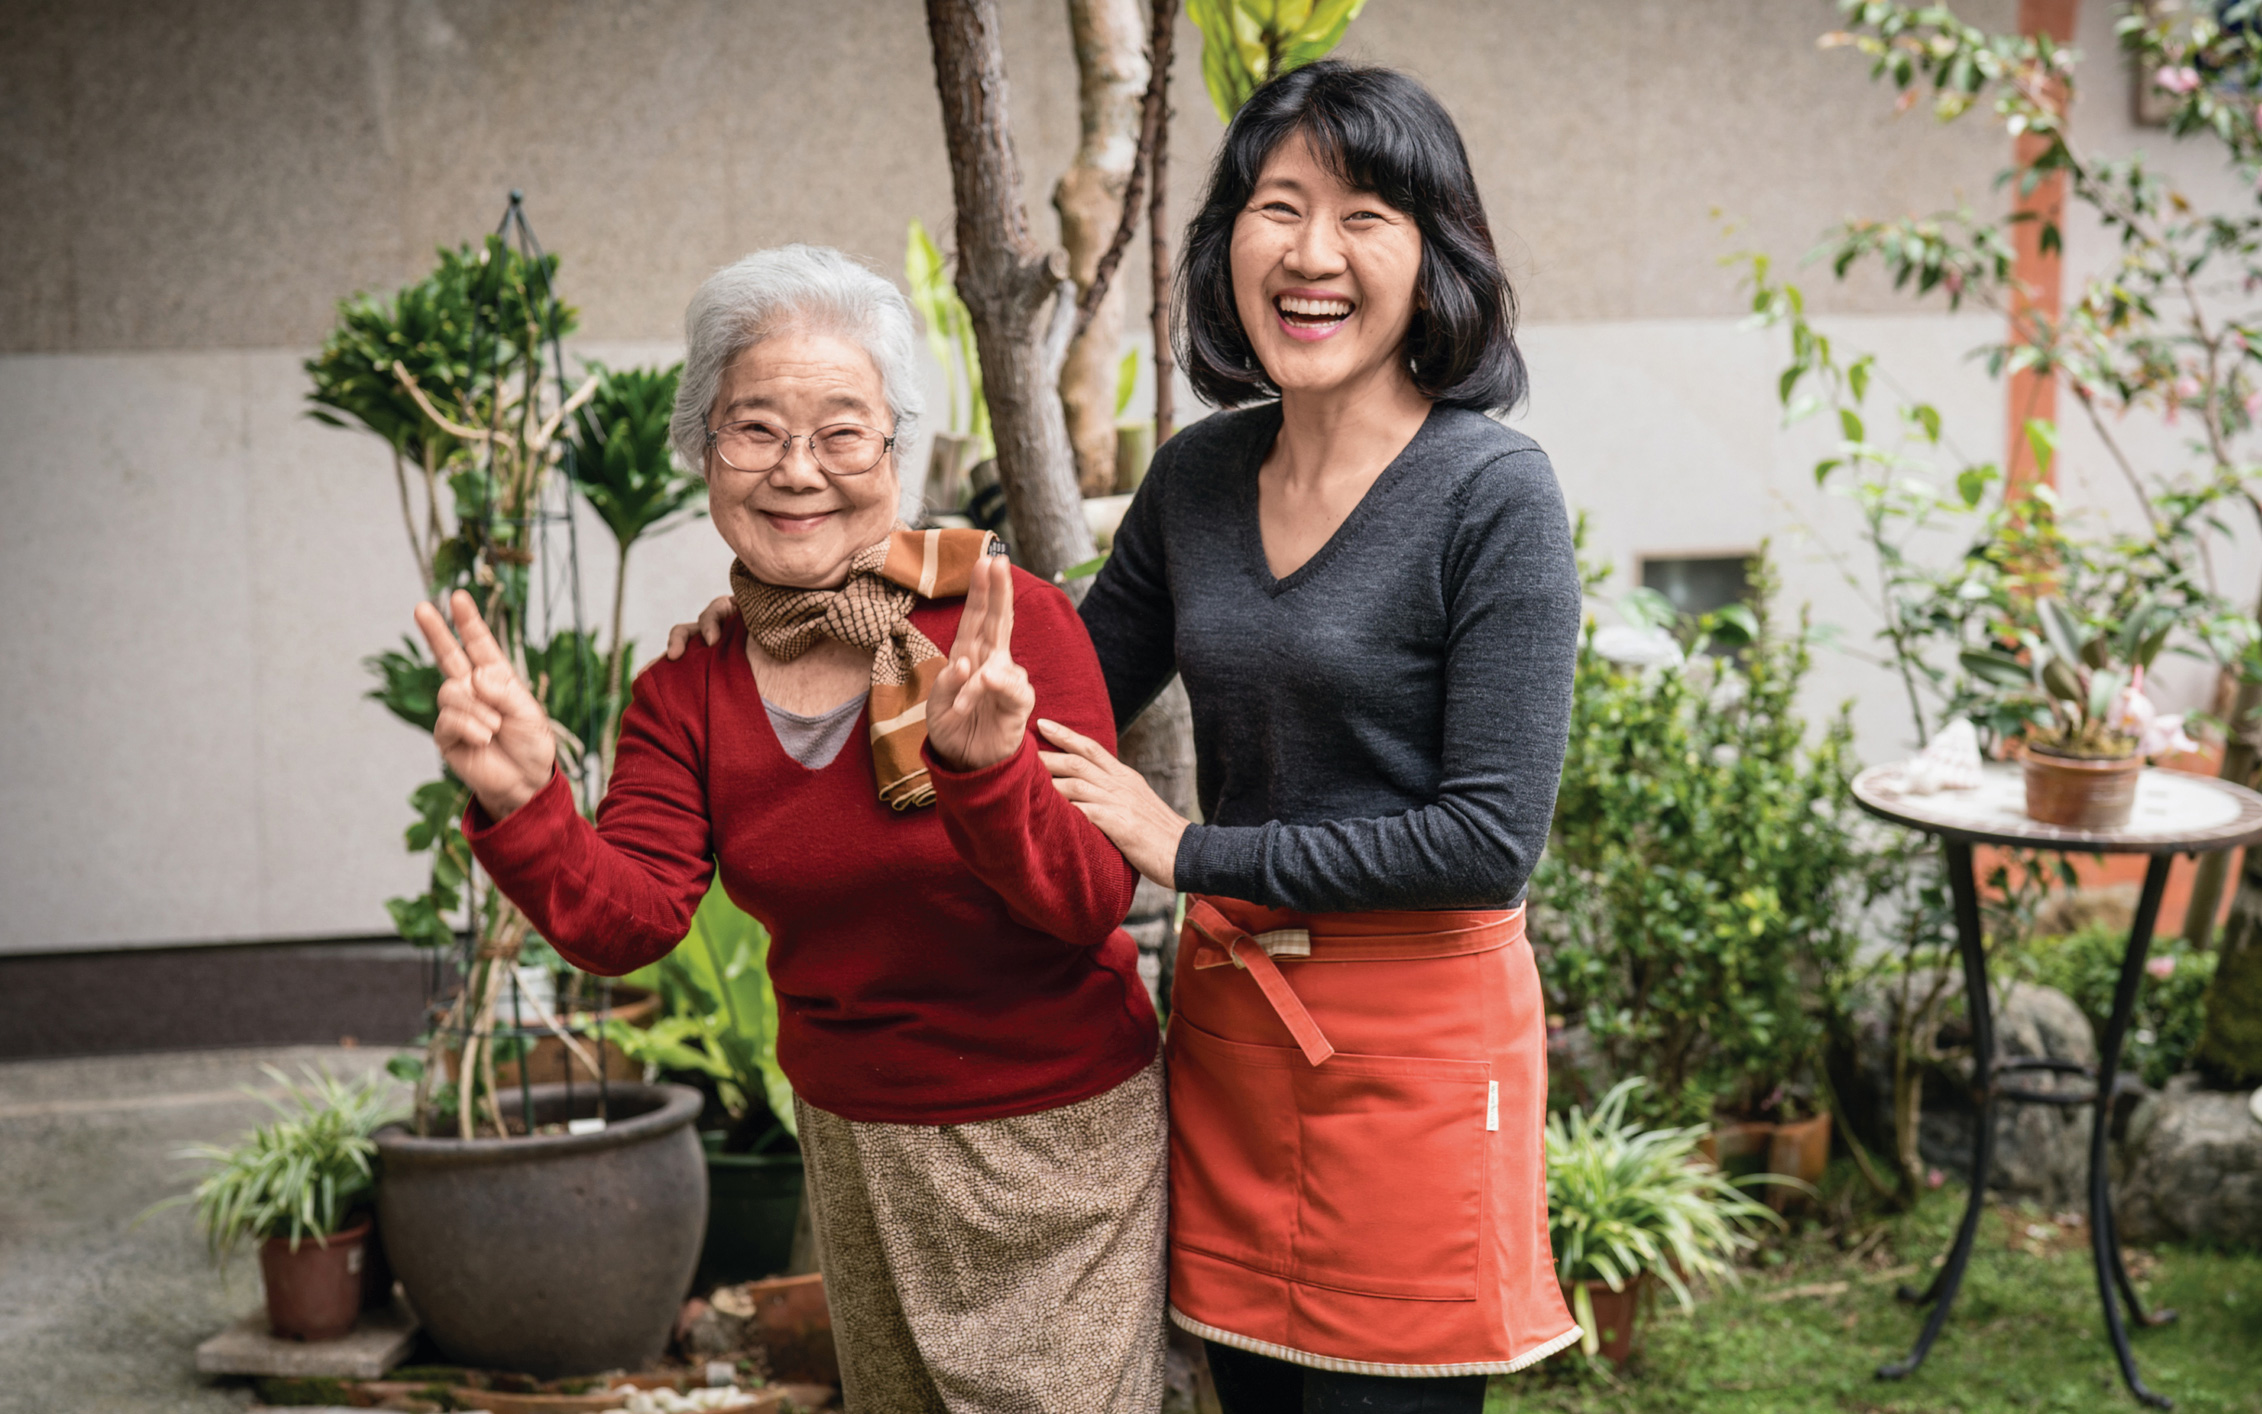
x=843, y=449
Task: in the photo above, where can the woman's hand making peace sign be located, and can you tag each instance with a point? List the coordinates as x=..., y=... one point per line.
x=979, y=708
x=491, y=731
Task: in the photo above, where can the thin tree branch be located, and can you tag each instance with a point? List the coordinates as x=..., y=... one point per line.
x=1153, y=112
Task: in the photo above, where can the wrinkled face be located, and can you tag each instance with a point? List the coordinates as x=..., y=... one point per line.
x=794, y=525
x=1323, y=276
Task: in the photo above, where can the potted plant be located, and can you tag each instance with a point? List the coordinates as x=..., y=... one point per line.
x=300, y=1187
x=721, y=1025
x=1628, y=1205
x=548, y=1228
x=2090, y=726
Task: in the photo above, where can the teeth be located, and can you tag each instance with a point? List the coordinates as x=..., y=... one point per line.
x=1316, y=308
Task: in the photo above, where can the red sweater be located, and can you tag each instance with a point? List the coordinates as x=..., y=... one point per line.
x=938, y=966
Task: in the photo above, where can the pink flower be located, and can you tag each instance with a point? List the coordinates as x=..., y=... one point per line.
x=2178, y=80
x=2134, y=714
x=1933, y=1178
x=2187, y=387
x=2161, y=968
x=2254, y=403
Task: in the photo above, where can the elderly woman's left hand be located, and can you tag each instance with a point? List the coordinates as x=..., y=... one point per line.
x=1118, y=800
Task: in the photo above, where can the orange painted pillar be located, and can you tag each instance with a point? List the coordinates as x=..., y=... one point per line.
x=2037, y=276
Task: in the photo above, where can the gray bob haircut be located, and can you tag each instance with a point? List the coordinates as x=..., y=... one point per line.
x=797, y=287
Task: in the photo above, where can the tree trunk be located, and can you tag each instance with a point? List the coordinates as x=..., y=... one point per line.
x=1159, y=745
x=1111, y=75
x=1158, y=224
x=2229, y=1053
x=2238, y=766
x=1019, y=295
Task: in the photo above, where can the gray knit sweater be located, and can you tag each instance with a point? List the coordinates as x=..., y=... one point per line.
x=1385, y=727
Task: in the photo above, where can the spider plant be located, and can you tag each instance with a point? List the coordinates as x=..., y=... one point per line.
x=303, y=1175
x=1624, y=1201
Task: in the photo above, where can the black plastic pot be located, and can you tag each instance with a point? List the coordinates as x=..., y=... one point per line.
x=555, y=1255
x=753, y=1202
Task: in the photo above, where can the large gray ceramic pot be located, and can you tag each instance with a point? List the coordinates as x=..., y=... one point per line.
x=557, y=1255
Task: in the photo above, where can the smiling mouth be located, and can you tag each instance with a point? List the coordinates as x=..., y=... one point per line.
x=1310, y=316
x=790, y=523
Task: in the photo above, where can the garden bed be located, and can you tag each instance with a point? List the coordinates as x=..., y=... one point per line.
x=1808, y=1332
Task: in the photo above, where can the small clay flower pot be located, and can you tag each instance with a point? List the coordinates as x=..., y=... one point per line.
x=1614, y=1315
x=2080, y=792
x=1798, y=1149
x=315, y=1292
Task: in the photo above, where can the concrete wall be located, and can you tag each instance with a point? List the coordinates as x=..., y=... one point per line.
x=191, y=570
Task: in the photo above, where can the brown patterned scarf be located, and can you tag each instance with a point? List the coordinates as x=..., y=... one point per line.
x=873, y=610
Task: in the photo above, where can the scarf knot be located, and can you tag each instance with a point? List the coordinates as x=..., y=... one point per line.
x=873, y=611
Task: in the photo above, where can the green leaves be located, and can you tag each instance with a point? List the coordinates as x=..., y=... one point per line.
x=1694, y=907
x=303, y=1175
x=620, y=456
x=1624, y=1200
x=717, y=983
x=1245, y=42
x=950, y=335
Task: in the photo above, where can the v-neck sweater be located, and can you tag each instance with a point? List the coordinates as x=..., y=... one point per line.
x=1384, y=727
x=939, y=965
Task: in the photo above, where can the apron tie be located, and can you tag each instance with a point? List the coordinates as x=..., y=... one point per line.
x=1222, y=942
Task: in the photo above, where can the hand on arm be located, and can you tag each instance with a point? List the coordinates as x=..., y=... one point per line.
x=1118, y=800
x=491, y=731
x=978, y=711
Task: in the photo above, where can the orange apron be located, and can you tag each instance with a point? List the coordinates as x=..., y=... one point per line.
x=1357, y=1170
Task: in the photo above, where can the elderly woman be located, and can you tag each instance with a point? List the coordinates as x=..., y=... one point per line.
x=972, y=1053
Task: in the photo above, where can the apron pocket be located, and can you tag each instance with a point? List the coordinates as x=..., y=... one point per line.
x=1364, y=1174
x=1232, y=1148
x=1391, y=1191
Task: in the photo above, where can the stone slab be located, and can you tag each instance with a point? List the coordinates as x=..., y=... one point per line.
x=380, y=1342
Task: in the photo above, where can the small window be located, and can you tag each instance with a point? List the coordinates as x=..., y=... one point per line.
x=1698, y=584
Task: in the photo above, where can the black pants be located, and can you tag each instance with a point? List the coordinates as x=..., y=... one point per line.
x=1258, y=1384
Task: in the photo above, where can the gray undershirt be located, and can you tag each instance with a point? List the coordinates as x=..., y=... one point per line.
x=1383, y=728
x=815, y=741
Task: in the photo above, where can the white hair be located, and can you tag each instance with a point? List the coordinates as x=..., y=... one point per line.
x=794, y=287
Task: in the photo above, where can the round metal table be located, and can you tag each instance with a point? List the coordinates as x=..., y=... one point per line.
x=2175, y=814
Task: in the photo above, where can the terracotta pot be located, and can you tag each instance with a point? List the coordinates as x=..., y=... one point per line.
x=546, y=1062
x=1800, y=1150
x=2080, y=792
x=794, y=1324
x=1615, y=1313
x=315, y=1292
x=1740, y=1147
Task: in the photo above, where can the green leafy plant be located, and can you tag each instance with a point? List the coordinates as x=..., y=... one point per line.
x=950, y=337
x=1625, y=1201
x=721, y=1019
x=453, y=373
x=2082, y=673
x=1245, y=42
x=303, y=1175
x=2170, y=1001
x=1693, y=908
x=621, y=459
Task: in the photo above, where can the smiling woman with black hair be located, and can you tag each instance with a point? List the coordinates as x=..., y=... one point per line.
x=1368, y=586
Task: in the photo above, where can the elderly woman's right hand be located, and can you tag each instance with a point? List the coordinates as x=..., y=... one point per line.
x=491, y=731
x=978, y=710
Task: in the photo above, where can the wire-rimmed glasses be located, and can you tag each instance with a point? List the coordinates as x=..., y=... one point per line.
x=840, y=449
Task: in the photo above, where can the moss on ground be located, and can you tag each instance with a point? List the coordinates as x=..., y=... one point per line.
x=1808, y=1332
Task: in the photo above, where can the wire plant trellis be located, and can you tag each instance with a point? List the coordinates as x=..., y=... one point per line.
x=521, y=535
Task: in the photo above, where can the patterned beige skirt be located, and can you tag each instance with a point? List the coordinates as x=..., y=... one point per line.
x=1013, y=1266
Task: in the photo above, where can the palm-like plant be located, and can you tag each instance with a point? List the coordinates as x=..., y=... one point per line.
x=622, y=462
x=1624, y=1202
x=303, y=1175
x=1245, y=42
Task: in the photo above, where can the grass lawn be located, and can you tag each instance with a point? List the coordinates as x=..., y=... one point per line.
x=1809, y=1328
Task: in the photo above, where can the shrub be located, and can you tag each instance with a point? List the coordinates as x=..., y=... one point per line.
x=1693, y=907
x=2086, y=966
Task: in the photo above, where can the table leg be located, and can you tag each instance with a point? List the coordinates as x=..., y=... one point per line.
x=1971, y=944
x=2104, y=1236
